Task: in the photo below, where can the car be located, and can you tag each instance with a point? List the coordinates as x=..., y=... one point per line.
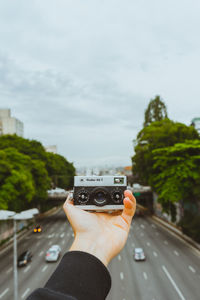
x=24, y=258
x=37, y=229
x=53, y=253
x=139, y=254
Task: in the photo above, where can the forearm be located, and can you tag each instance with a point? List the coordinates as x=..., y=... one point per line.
x=92, y=246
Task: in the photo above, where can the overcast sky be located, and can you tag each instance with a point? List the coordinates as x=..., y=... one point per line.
x=80, y=74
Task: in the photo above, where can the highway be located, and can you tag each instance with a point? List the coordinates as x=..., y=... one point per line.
x=171, y=270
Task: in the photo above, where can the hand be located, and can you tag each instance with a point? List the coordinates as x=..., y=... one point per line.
x=101, y=234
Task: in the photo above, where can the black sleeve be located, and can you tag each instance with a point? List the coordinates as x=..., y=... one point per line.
x=79, y=276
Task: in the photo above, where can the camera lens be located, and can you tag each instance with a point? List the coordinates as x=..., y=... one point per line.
x=117, y=197
x=100, y=198
x=83, y=197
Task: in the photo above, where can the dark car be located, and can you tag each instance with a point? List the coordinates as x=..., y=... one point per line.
x=37, y=229
x=24, y=258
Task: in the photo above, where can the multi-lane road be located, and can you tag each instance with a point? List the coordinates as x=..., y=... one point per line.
x=170, y=272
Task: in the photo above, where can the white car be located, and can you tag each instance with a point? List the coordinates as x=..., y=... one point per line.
x=53, y=253
x=139, y=254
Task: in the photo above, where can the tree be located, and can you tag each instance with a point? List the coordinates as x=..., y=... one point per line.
x=158, y=135
x=16, y=182
x=156, y=111
x=60, y=170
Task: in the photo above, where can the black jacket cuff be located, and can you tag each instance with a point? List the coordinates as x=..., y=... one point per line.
x=82, y=276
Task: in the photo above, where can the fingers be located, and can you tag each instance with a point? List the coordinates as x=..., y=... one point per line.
x=129, y=207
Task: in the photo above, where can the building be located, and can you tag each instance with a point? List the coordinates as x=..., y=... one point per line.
x=51, y=148
x=10, y=125
x=196, y=124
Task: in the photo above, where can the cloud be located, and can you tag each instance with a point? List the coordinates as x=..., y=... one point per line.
x=80, y=74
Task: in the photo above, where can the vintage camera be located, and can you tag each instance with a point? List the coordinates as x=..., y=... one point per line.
x=99, y=193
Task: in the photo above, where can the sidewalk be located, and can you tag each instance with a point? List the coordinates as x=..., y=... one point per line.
x=176, y=231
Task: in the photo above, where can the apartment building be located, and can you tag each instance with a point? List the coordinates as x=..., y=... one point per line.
x=10, y=125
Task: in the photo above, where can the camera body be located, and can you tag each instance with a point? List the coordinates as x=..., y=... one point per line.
x=99, y=193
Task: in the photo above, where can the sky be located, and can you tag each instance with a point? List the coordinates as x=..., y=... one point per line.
x=80, y=74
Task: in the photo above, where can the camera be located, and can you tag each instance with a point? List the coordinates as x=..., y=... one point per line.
x=99, y=193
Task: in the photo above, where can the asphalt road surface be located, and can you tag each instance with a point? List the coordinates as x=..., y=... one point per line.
x=171, y=270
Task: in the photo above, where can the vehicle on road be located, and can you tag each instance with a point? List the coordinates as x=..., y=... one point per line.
x=24, y=258
x=37, y=229
x=53, y=253
x=139, y=254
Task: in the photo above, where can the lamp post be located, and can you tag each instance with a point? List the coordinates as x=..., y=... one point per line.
x=24, y=215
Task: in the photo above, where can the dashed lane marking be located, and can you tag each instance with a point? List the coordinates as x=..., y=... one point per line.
x=63, y=242
x=152, y=225
x=142, y=226
x=40, y=254
x=4, y=292
x=122, y=275
x=166, y=242
x=62, y=235
x=141, y=234
x=37, y=244
x=44, y=268
x=155, y=254
x=25, y=293
x=176, y=253
x=145, y=275
x=9, y=270
x=173, y=283
x=27, y=268
x=119, y=257
x=50, y=243
x=148, y=244
x=192, y=269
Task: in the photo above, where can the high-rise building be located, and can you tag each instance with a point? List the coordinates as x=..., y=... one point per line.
x=10, y=125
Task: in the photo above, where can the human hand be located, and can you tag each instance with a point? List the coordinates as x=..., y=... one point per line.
x=101, y=234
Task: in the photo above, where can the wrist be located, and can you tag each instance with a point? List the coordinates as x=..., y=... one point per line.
x=89, y=245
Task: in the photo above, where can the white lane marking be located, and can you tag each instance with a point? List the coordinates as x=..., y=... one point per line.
x=142, y=226
x=119, y=257
x=27, y=268
x=141, y=234
x=40, y=254
x=62, y=235
x=133, y=245
x=37, y=244
x=148, y=244
x=9, y=270
x=44, y=268
x=145, y=275
x=155, y=254
x=51, y=235
x=122, y=275
x=72, y=235
x=50, y=243
x=166, y=242
x=68, y=234
x=173, y=283
x=153, y=225
x=192, y=269
x=63, y=242
x=176, y=253
x=25, y=293
x=4, y=292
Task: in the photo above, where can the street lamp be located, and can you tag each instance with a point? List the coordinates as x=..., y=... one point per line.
x=24, y=215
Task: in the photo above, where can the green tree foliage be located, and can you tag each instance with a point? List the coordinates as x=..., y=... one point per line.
x=157, y=135
x=16, y=181
x=60, y=170
x=176, y=173
x=156, y=111
x=26, y=171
